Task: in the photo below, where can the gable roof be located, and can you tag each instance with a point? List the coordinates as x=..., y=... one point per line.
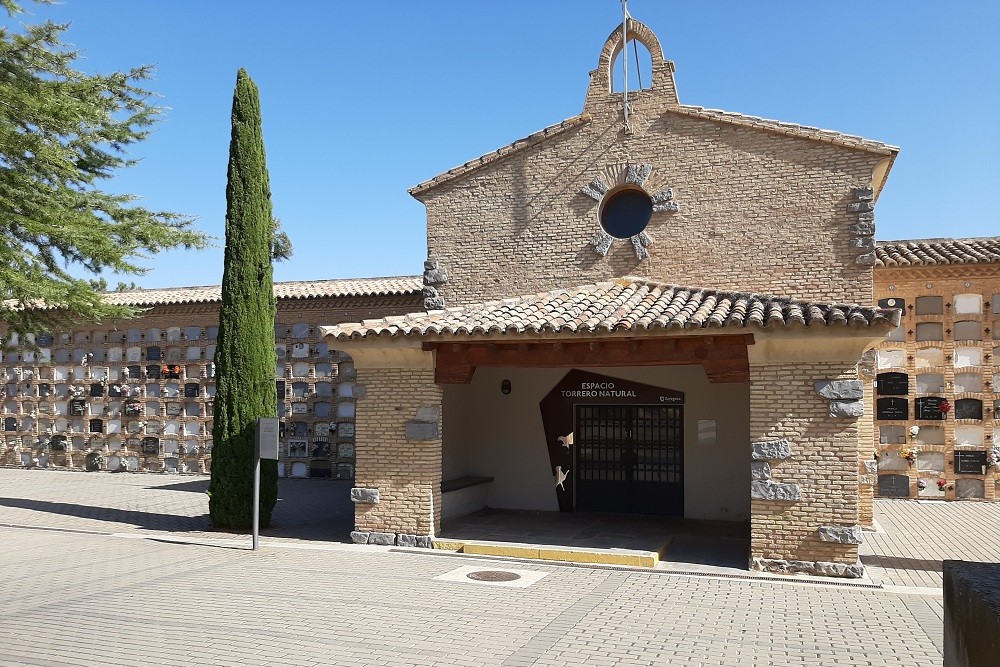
x=716, y=115
x=626, y=304
x=531, y=140
x=788, y=129
x=935, y=252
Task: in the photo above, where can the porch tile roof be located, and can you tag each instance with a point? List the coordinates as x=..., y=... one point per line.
x=625, y=304
x=932, y=252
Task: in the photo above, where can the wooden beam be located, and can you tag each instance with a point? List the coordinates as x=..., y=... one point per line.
x=724, y=361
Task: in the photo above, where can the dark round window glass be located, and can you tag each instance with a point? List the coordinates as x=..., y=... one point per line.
x=626, y=213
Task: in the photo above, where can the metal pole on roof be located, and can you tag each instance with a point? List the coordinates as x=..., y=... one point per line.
x=625, y=61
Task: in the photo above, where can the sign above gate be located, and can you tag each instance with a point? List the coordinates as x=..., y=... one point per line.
x=614, y=391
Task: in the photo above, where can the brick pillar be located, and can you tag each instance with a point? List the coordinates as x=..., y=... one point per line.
x=804, y=507
x=398, y=448
x=867, y=472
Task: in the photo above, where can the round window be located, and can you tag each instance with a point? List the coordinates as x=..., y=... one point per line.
x=626, y=213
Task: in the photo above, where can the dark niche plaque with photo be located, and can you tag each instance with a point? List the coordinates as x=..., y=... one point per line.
x=892, y=302
x=892, y=384
x=892, y=408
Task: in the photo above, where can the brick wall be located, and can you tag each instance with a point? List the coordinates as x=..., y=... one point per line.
x=313, y=374
x=406, y=470
x=947, y=282
x=784, y=404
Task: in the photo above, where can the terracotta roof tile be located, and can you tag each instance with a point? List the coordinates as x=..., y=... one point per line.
x=626, y=304
x=300, y=289
x=931, y=252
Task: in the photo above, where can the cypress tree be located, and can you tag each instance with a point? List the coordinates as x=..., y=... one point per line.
x=244, y=356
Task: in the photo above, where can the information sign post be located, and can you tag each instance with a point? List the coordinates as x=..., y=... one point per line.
x=266, y=442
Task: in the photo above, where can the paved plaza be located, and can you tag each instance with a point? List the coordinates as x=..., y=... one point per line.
x=123, y=569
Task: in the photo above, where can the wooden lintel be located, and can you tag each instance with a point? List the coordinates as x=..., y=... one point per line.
x=453, y=374
x=727, y=351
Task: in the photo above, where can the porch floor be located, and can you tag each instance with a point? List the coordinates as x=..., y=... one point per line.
x=682, y=544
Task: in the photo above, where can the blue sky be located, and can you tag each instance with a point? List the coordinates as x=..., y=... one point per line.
x=362, y=100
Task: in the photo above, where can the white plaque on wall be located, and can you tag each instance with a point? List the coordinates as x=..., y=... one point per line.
x=706, y=431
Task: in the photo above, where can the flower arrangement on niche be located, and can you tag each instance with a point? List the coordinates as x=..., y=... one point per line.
x=941, y=484
x=914, y=432
x=921, y=484
x=944, y=407
x=993, y=457
x=909, y=453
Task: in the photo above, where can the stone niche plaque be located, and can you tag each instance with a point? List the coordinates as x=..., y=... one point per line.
x=892, y=408
x=894, y=486
x=931, y=489
x=970, y=488
x=929, y=407
x=968, y=408
x=77, y=407
x=150, y=445
x=970, y=463
x=932, y=461
x=892, y=384
x=892, y=461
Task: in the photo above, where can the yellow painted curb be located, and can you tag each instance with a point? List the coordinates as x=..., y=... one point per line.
x=449, y=545
x=501, y=550
x=639, y=559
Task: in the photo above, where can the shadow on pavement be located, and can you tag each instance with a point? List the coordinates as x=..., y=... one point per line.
x=195, y=486
x=147, y=520
x=319, y=510
x=898, y=563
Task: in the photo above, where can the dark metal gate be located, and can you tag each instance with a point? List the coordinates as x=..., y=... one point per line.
x=630, y=458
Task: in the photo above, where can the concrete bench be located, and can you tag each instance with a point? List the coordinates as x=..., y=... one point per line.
x=463, y=495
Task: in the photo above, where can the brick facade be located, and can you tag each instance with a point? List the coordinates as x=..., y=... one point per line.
x=399, y=454
x=758, y=210
x=823, y=464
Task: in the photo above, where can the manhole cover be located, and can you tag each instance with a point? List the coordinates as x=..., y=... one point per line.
x=493, y=575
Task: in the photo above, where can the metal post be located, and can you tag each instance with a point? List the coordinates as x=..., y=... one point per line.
x=625, y=61
x=256, y=502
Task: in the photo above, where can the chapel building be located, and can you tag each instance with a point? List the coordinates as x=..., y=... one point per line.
x=672, y=311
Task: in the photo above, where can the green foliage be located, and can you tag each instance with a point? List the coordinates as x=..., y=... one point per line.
x=62, y=134
x=244, y=356
x=281, y=245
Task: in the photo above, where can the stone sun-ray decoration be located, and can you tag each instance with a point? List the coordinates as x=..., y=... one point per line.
x=628, y=174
